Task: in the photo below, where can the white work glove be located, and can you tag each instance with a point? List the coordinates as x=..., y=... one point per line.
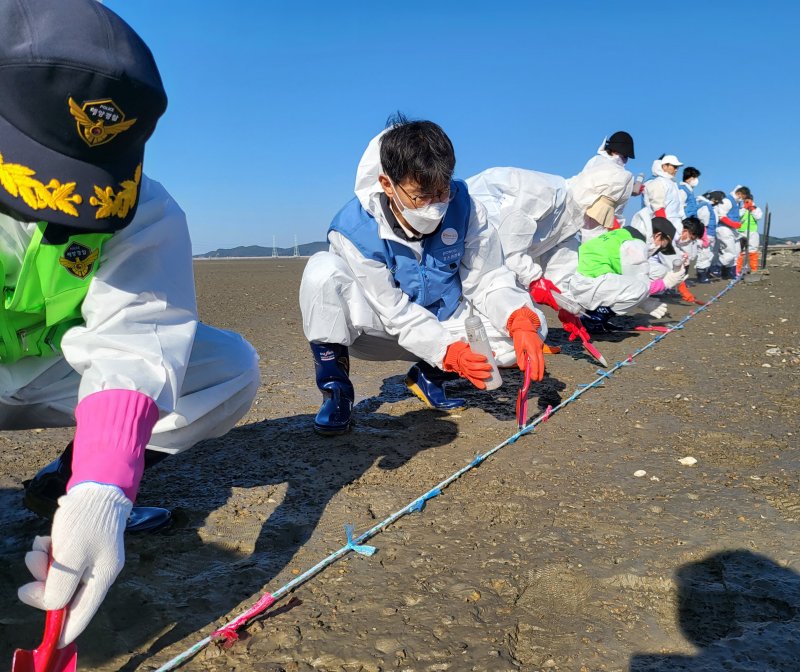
x=674, y=278
x=654, y=308
x=88, y=554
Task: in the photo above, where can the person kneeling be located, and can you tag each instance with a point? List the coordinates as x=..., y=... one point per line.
x=409, y=257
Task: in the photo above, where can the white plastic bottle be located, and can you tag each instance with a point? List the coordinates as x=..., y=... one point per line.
x=479, y=342
x=568, y=304
x=637, y=184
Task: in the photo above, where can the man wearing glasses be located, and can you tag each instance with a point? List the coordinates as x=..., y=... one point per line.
x=409, y=258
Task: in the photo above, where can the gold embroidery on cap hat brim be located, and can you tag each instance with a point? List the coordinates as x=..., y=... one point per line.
x=117, y=204
x=18, y=181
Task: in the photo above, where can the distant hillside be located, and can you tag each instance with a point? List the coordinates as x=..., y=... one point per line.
x=304, y=250
x=782, y=241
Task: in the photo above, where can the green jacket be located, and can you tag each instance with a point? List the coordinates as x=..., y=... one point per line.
x=600, y=255
x=47, y=296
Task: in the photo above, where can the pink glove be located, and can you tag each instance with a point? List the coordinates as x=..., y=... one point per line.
x=542, y=292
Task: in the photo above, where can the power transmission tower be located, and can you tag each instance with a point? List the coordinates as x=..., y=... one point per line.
x=274, y=249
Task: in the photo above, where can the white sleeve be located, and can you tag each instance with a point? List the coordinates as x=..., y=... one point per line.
x=140, y=311
x=757, y=213
x=418, y=330
x=634, y=260
x=486, y=281
x=654, y=194
x=682, y=196
x=517, y=231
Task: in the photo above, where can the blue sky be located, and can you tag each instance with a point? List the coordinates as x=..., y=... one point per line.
x=272, y=103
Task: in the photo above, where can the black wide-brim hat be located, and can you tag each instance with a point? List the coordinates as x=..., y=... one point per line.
x=667, y=228
x=80, y=94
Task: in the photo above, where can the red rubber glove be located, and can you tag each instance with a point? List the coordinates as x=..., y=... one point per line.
x=727, y=221
x=573, y=326
x=749, y=205
x=522, y=325
x=467, y=363
x=661, y=212
x=542, y=292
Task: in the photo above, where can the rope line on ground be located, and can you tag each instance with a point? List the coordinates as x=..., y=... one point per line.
x=228, y=632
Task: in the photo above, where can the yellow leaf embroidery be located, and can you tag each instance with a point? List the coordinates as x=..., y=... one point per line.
x=110, y=204
x=18, y=181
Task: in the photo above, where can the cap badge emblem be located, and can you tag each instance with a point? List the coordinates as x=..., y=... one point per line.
x=93, y=119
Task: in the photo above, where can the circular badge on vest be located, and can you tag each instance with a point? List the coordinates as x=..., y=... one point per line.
x=449, y=236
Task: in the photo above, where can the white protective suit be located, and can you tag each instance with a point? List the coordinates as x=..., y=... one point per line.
x=141, y=333
x=617, y=176
x=727, y=242
x=661, y=191
x=705, y=247
x=622, y=292
x=351, y=300
x=753, y=238
x=659, y=264
x=538, y=215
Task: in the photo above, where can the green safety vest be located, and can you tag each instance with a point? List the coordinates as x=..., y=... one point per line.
x=749, y=223
x=49, y=292
x=600, y=255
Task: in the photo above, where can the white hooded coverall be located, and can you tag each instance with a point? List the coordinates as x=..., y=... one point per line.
x=538, y=215
x=351, y=300
x=141, y=333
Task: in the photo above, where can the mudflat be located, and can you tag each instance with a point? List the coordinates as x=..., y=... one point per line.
x=551, y=555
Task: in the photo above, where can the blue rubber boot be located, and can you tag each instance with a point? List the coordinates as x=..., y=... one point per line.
x=702, y=276
x=427, y=382
x=597, y=321
x=50, y=483
x=729, y=273
x=332, y=368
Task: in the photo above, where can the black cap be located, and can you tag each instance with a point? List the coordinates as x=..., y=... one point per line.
x=666, y=228
x=622, y=143
x=80, y=94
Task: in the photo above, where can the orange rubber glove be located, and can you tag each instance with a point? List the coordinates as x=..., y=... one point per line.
x=522, y=325
x=686, y=295
x=467, y=363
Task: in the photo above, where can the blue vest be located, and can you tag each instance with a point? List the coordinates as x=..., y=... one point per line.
x=433, y=282
x=733, y=213
x=690, y=209
x=711, y=228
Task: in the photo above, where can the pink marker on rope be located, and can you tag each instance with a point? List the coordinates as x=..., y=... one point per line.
x=547, y=412
x=228, y=632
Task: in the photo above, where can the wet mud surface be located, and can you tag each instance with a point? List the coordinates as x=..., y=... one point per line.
x=551, y=555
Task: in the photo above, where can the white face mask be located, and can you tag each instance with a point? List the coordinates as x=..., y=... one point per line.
x=425, y=219
x=692, y=182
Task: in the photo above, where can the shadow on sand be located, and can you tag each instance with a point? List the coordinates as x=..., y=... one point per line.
x=741, y=610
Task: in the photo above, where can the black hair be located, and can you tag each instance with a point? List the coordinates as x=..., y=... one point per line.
x=694, y=226
x=715, y=197
x=746, y=191
x=419, y=150
x=689, y=172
